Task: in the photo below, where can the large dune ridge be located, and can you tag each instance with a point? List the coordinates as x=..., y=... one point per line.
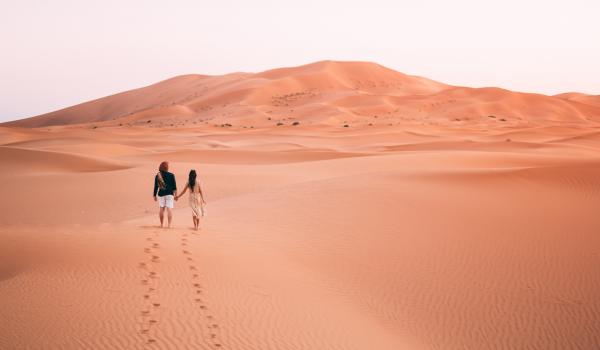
x=322, y=93
x=441, y=217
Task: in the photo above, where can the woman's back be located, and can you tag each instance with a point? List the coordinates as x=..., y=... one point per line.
x=194, y=190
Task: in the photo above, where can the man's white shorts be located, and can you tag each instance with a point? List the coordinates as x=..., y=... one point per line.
x=166, y=201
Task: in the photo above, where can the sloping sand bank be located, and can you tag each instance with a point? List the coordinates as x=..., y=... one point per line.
x=356, y=239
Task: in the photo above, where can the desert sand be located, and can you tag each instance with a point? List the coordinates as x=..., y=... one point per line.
x=397, y=213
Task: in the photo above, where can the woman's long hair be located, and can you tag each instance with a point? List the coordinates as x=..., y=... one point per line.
x=192, y=179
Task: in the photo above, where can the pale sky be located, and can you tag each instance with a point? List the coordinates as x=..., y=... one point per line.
x=59, y=53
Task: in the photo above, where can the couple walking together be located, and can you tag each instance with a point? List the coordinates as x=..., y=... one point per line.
x=165, y=192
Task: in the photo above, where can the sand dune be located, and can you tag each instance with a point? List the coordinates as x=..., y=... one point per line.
x=460, y=218
x=322, y=93
x=593, y=100
x=26, y=160
x=249, y=157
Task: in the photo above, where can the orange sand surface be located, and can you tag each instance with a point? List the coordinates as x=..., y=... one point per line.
x=440, y=218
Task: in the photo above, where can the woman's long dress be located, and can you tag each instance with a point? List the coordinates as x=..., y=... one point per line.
x=196, y=201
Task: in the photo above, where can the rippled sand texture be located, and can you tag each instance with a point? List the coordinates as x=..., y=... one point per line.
x=429, y=233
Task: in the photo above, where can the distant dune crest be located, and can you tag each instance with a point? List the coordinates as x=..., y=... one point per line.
x=322, y=93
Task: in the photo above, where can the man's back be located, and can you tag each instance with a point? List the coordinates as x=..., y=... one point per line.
x=170, y=184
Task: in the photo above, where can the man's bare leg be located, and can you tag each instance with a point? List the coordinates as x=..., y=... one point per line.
x=161, y=215
x=169, y=216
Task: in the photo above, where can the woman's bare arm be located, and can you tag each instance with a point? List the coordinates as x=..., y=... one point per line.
x=184, y=190
x=201, y=195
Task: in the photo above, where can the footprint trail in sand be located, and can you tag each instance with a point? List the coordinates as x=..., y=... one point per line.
x=150, y=311
x=151, y=314
x=211, y=331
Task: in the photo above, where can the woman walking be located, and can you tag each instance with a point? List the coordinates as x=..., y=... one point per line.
x=196, y=199
x=166, y=189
